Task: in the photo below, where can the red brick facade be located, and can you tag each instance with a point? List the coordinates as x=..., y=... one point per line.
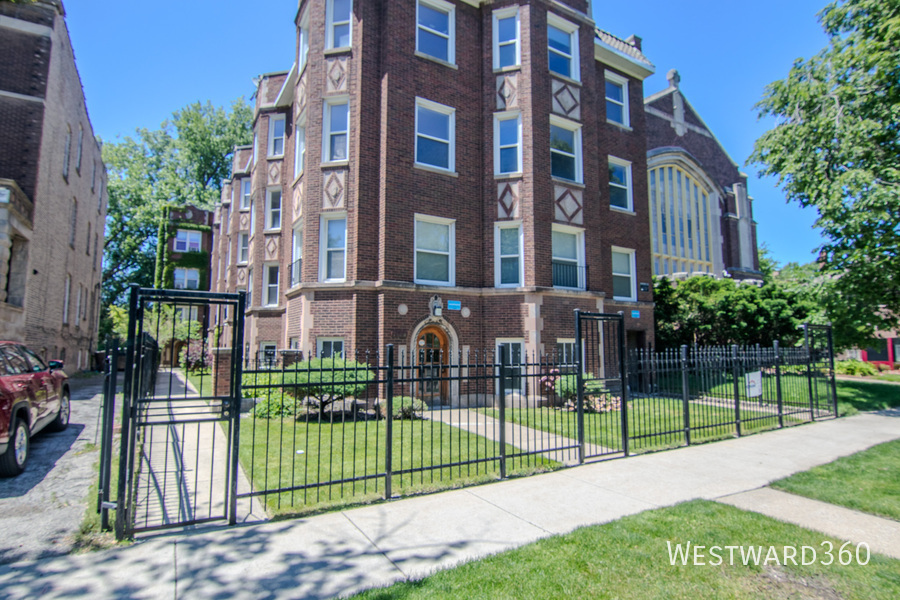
x=382, y=191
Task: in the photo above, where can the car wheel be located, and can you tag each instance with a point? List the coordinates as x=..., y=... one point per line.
x=12, y=462
x=62, y=418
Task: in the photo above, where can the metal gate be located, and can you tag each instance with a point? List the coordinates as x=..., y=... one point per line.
x=179, y=442
x=818, y=341
x=602, y=390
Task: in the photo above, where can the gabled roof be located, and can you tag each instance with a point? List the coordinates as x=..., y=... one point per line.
x=622, y=55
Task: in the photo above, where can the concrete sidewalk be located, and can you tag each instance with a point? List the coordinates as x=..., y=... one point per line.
x=340, y=553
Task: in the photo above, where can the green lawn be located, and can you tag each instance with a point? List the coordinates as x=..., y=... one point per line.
x=282, y=453
x=868, y=481
x=629, y=558
x=645, y=416
x=858, y=396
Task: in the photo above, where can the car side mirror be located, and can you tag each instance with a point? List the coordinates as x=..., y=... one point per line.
x=55, y=364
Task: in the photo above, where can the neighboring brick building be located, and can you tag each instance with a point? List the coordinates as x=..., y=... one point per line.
x=700, y=214
x=437, y=174
x=52, y=189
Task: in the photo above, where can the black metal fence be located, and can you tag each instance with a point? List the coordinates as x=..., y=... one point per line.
x=320, y=431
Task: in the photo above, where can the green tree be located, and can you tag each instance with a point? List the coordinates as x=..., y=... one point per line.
x=704, y=311
x=182, y=162
x=835, y=147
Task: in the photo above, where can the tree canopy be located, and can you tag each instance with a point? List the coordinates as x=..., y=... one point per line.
x=183, y=162
x=835, y=147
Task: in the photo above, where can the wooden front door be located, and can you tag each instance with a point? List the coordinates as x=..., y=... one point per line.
x=433, y=351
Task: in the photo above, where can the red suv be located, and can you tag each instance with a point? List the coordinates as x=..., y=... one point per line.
x=33, y=395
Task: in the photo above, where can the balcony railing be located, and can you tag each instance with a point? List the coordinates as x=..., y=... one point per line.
x=296, y=269
x=569, y=275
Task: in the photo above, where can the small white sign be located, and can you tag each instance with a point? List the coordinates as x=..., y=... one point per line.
x=4, y=196
x=754, y=384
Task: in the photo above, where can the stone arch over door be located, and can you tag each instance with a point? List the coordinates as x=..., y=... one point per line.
x=433, y=354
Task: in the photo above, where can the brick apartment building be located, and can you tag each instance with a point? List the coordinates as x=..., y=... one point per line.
x=442, y=174
x=52, y=189
x=701, y=217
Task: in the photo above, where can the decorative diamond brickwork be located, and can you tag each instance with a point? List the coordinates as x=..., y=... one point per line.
x=336, y=74
x=272, y=247
x=566, y=99
x=274, y=173
x=302, y=95
x=245, y=221
x=507, y=91
x=569, y=204
x=241, y=275
x=508, y=200
x=335, y=186
x=298, y=201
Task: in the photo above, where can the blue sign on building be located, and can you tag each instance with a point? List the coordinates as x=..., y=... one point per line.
x=454, y=305
x=635, y=314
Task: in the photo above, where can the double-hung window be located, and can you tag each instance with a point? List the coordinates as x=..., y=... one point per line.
x=80, y=149
x=568, y=257
x=562, y=47
x=514, y=350
x=565, y=149
x=620, y=191
x=330, y=347
x=507, y=143
x=338, y=23
x=187, y=279
x=435, y=132
x=435, y=24
x=435, y=252
x=506, y=38
x=297, y=254
x=187, y=240
x=508, y=254
x=337, y=124
x=616, y=99
x=623, y=274
x=67, y=293
x=276, y=135
x=299, y=146
x=334, y=248
x=249, y=288
x=304, y=43
x=243, y=248
x=273, y=208
x=245, y=193
x=66, y=153
x=270, y=284
x=73, y=224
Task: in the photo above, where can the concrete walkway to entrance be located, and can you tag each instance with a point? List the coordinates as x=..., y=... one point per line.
x=339, y=553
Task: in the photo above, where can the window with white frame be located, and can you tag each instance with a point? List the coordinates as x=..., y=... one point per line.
x=187, y=240
x=435, y=132
x=506, y=37
x=333, y=246
x=507, y=143
x=273, y=208
x=623, y=274
x=249, y=288
x=304, y=44
x=73, y=223
x=508, y=254
x=246, y=190
x=80, y=149
x=299, y=146
x=270, y=284
x=297, y=254
x=67, y=293
x=255, y=148
x=435, y=251
x=620, y=191
x=565, y=149
x=331, y=347
x=617, y=99
x=94, y=178
x=568, y=257
x=243, y=254
x=337, y=123
x=187, y=313
x=565, y=351
x=435, y=25
x=562, y=47
x=78, y=303
x=67, y=152
x=338, y=23
x=515, y=353
x=268, y=355
x=187, y=279
x=276, y=135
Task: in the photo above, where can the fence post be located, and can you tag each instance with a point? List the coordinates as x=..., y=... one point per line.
x=623, y=367
x=389, y=425
x=579, y=392
x=735, y=374
x=685, y=394
x=809, y=379
x=833, y=380
x=237, y=374
x=109, y=417
x=125, y=439
x=502, y=388
x=778, y=393
x=104, y=446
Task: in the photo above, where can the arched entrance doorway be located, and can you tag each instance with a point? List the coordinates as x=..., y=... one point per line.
x=433, y=358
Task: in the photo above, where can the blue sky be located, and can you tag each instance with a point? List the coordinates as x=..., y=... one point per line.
x=140, y=61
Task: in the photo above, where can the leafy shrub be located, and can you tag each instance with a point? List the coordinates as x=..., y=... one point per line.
x=855, y=367
x=272, y=406
x=406, y=407
x=195, y=356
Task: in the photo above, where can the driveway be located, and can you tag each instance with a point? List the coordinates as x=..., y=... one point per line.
x=41, y=509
